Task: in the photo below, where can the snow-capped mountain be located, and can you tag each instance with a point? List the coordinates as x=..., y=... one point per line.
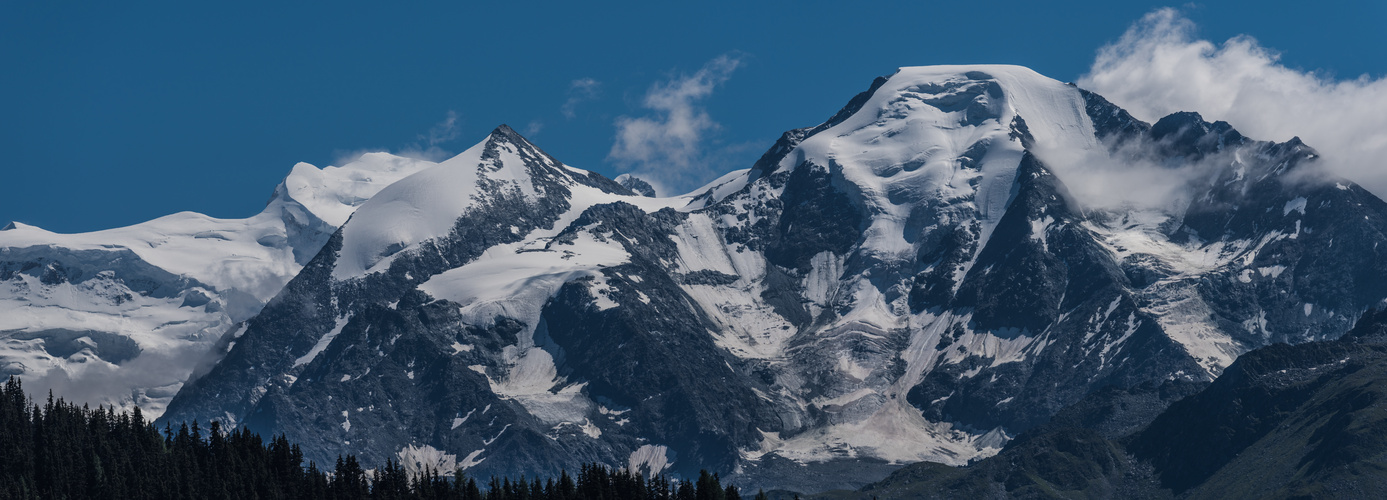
x=123, y=316
x=910, y=280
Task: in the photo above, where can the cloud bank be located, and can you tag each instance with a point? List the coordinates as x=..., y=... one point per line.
x=1133, y=176
x=1159, y=66
x=667, y=147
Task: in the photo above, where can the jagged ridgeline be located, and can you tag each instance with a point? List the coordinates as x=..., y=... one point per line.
x=925, y=276
x=912, y=280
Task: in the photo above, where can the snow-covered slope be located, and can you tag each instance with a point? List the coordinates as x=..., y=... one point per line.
x=122, y=316
x=910, y=280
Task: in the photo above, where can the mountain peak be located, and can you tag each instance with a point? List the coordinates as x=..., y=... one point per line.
x=332, y=193
x=636, y=184
x=505, y=132
x=427, y=204
x=926, y=101
x=16, y=225
x=1012, y=77
x=929, y=134
x=1180, y=121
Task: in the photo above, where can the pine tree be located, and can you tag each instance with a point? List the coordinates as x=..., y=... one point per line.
x=709, y=487
x=731, y=493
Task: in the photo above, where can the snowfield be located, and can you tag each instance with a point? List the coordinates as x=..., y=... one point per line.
x=125, y=315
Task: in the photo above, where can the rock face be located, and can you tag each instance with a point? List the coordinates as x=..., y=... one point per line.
x=1284, y=421
x=910, y=280
x=123, y=316
x=636, y=185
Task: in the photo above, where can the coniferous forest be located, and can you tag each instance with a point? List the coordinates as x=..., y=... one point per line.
x=62, y=451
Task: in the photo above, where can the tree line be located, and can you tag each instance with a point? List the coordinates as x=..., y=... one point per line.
x=62, y=451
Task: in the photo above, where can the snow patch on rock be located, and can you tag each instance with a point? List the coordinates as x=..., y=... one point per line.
x=649, y=459
x=419, y=461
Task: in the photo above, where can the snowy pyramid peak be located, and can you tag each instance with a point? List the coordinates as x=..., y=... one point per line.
x=505, y=132
x=427, y=204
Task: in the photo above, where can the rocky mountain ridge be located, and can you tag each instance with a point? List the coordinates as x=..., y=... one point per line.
x=913, y=280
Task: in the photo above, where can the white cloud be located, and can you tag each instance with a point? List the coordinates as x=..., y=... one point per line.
x=533, y=128
x=668, y=146
x=427, y=146
x=1133, y=176
x=580, y=90
x=443, y=131
x=1159, y=66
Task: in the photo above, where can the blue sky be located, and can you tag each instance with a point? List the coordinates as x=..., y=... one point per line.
x=112, y=114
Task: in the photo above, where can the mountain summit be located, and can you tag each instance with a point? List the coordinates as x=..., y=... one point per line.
x=911, y=280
